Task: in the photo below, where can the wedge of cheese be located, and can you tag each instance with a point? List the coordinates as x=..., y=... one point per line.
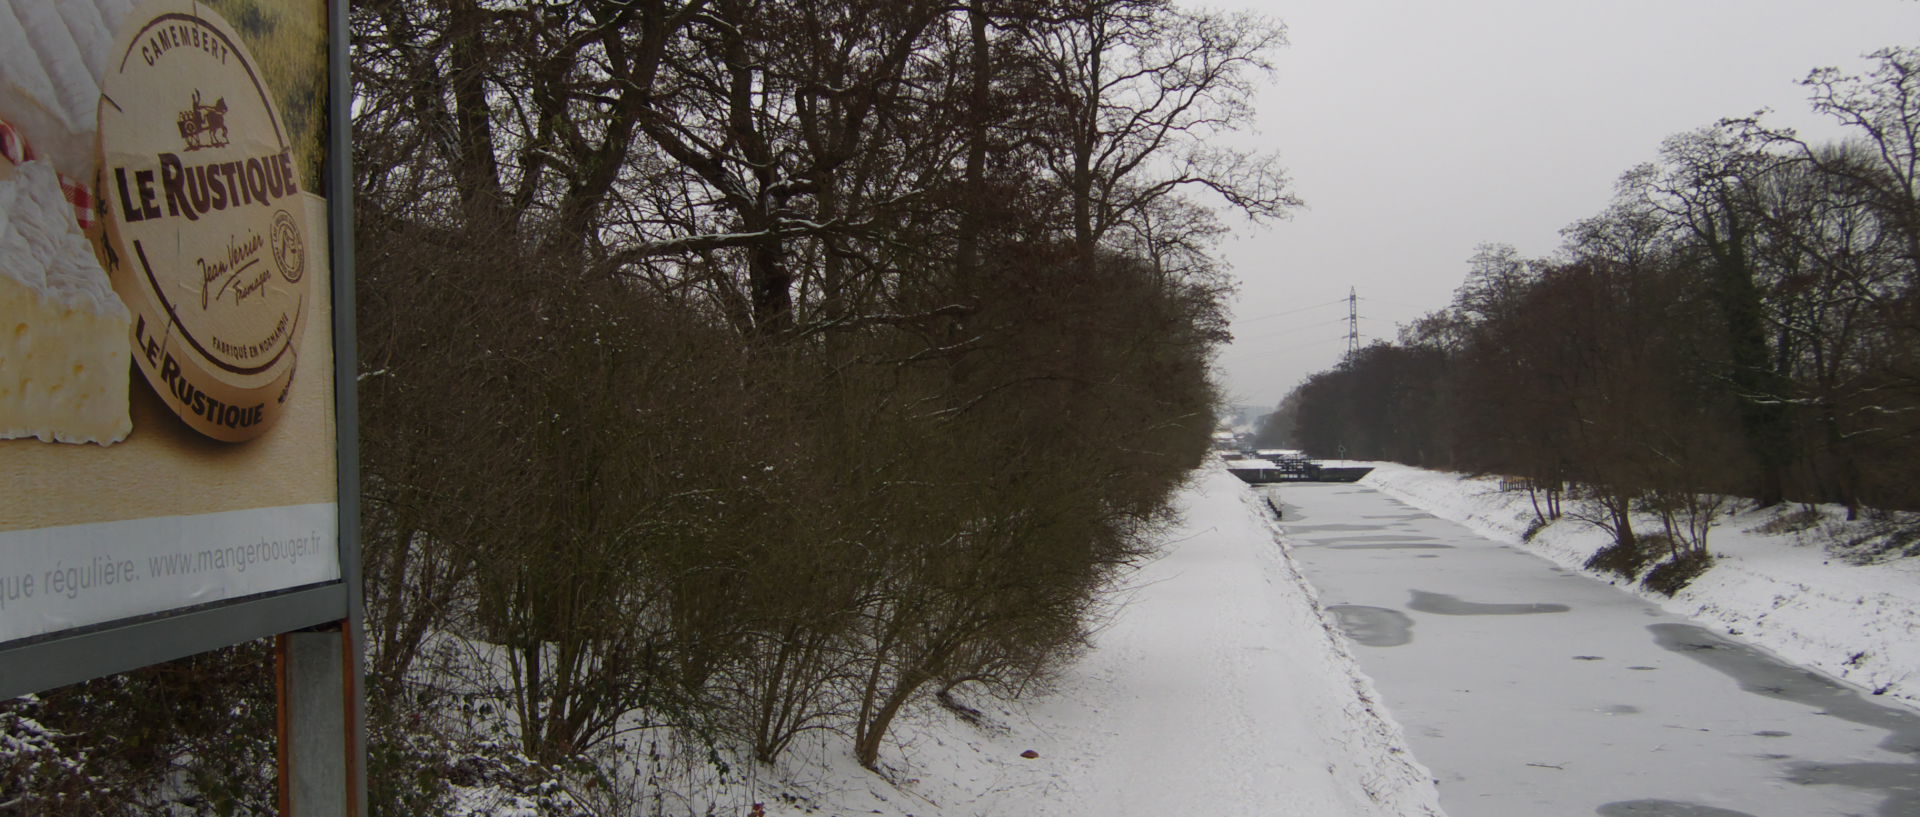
x=64, y=348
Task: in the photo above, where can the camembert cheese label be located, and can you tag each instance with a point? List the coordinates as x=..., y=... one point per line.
x=206, y=236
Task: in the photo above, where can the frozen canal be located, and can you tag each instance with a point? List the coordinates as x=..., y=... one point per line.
x=1533, y=691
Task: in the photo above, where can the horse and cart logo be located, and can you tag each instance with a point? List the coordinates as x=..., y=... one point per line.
x=204, y=126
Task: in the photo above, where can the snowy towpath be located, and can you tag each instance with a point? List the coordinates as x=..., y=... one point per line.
x=1533, y=691
x=1217, y=688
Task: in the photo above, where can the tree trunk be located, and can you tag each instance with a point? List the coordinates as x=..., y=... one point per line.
x=772, y=288
x=478, y=175
x=972, y=211
x=1757, y=385
x=866, y=748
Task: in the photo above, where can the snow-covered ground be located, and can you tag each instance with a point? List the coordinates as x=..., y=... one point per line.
x=1218, y=687
x=1781, y=591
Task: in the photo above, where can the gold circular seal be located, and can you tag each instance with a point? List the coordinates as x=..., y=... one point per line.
x=206, y=233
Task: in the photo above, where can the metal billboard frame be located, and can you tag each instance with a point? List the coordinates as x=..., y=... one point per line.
x=71, y=656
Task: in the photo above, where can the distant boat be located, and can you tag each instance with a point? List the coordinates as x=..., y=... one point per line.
x=1293, y=469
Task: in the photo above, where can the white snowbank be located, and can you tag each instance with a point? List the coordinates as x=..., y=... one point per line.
x=1218, y=687
x=1782, y=592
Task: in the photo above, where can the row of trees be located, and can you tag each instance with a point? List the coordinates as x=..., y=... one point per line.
x=1744, y=319
x=753, y=367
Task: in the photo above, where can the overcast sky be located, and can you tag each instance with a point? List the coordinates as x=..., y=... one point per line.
x=1417, y=130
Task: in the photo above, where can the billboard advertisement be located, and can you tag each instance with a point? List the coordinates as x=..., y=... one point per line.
x=168, y=415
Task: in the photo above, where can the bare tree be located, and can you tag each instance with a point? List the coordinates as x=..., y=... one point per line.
x=1142, y=91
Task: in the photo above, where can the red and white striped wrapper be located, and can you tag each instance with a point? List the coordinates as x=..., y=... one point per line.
x=13, y=145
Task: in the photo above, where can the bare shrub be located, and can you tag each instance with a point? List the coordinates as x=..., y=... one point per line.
x=104, y=746
x=1883, y=536
x=1628, y=559
x=1674, y=574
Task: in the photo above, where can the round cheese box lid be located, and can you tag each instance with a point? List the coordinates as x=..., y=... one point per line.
x=206, y=234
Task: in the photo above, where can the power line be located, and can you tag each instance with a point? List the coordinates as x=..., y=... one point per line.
x=1371, y=299
x=1292, y=311
x=1292, y=329
x=1316, y=343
